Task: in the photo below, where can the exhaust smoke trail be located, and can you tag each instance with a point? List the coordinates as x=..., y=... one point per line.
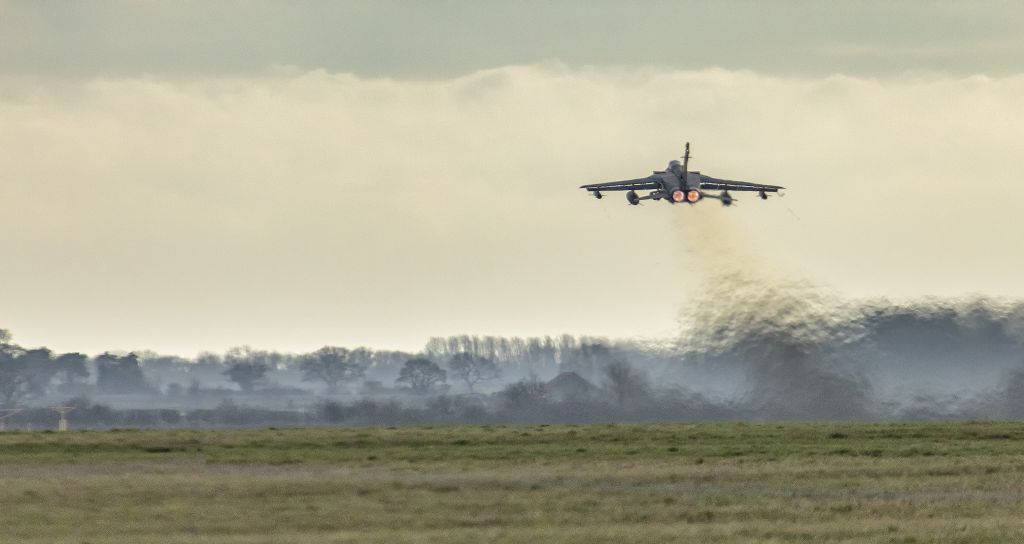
x=805, y=353
x=782, y=333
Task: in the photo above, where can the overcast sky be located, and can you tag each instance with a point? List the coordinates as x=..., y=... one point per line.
x=188, y=176
x=446, y=38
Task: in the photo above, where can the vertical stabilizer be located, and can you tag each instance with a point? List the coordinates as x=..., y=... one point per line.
x=686, y=160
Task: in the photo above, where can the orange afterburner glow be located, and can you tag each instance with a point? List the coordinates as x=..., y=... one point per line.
x=678, y=196
x=693, y=196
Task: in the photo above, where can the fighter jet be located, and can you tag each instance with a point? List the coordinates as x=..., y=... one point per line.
x=676, y=184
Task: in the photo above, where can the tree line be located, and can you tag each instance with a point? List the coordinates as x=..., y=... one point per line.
x=465, y=363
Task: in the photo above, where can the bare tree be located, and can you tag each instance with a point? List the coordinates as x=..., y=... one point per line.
x=587, y=359
x=624, y=383
x=247, y=374
x=247, y=366
x=524, y=395
x=473, y=369
x=249, y=354
x=331, y=365
x=421, y=374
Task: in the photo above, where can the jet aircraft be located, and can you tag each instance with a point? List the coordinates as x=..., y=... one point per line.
x=677, y=184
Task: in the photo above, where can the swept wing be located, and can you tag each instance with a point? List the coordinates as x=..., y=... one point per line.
x=639, y=184
x=708, y=182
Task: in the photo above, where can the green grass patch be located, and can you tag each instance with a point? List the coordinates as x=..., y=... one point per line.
x=882, y=482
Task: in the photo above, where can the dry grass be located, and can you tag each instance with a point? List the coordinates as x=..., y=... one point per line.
x=648, y=483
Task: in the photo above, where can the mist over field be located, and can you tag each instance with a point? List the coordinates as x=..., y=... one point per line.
x=748, y=350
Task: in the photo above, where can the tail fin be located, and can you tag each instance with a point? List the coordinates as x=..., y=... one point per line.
x=686, y=159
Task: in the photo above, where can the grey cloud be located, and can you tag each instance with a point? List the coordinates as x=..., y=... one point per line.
x=441, y=39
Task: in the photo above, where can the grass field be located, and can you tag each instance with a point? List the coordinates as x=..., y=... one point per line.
x=950, y=482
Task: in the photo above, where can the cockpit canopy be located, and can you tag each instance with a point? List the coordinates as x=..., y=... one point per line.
x=675, y=167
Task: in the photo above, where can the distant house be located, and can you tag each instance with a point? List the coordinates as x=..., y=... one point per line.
x=569, y=386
